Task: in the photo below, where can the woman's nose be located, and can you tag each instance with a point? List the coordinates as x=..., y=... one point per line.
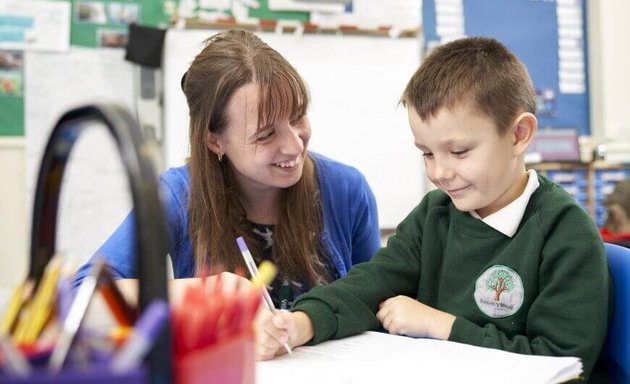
x=291, y=141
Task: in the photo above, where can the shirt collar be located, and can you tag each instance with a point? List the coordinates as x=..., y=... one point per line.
x=507, y=219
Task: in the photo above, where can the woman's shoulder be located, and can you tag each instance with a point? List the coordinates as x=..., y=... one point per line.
x=176, y=174
x=176, y=178
x=335, y=171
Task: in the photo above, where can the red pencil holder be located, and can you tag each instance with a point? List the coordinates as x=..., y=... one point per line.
x=228, y=362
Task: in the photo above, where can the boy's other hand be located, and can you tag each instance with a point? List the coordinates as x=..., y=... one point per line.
x=275, y=329
x=402, y=315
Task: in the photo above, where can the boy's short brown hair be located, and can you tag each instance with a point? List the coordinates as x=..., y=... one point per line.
x=476, y=69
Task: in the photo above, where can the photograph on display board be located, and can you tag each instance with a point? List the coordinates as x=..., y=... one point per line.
x=11, y=77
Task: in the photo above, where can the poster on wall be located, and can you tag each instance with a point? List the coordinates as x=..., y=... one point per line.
x=36, y=25
x=11, y=92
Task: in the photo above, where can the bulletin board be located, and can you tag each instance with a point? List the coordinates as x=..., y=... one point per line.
x=94, y=24
x=548, y=36
x=103, y=23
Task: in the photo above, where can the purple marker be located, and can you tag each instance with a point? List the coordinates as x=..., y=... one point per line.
x=146, y=331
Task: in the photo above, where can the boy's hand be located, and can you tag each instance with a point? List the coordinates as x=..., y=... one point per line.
x=402, y=315
x=275, y=329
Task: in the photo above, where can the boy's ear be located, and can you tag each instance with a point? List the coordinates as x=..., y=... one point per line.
x=213, y=144
x=525, y=127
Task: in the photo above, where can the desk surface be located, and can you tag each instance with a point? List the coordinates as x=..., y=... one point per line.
x=381, y=358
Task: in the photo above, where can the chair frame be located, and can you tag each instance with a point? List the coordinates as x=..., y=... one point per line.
x=618, y=338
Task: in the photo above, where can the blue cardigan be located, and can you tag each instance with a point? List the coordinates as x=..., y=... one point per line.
x=350, y=235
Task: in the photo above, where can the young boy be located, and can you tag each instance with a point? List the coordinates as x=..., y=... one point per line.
x=497, y=256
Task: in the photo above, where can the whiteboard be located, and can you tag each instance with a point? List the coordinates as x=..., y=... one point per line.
x=95, y=194
x=355, y=84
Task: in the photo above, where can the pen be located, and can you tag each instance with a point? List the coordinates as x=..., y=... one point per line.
x=75, y=316
x=122, y=311
x=145, y=332
x=253, y=271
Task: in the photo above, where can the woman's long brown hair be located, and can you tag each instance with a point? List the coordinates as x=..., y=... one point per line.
x=230, y=60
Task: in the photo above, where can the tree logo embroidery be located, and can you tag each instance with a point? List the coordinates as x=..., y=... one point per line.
x=499, y=291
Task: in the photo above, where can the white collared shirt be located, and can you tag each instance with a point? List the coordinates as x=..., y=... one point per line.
x=507, y=219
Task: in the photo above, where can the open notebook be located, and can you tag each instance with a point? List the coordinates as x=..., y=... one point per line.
x=382, y=358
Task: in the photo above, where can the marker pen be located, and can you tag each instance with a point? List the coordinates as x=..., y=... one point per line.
x=145, y=333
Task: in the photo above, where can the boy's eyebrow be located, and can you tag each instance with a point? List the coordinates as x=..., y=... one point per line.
x=445, y=144
x=451, y=142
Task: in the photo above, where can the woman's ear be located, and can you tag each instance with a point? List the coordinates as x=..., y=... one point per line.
x=213, y=144
x=525, y=127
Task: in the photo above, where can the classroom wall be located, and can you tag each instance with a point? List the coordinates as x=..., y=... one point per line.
x=609, y=60
x=609, y=81
x=13, y=227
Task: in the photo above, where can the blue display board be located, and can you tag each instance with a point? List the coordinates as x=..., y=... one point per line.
x=549, y=37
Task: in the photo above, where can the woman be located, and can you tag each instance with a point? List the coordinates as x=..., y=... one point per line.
x=250, y=174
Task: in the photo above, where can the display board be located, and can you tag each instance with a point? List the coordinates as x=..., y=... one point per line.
x=548, y=36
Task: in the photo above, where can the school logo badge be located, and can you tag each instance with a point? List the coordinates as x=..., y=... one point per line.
x=499, y=291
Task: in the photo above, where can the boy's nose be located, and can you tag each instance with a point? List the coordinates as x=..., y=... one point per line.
x=442, y=171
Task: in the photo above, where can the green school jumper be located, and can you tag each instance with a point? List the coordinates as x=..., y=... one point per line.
x=545, y=291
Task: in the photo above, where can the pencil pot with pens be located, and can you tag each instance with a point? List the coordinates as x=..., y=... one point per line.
x=213, y=329
x=213, y=335
x=40, y=338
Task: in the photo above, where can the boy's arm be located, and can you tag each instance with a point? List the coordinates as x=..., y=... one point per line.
x=348, y=306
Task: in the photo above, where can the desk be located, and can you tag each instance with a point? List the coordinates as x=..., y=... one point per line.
x=382, y=358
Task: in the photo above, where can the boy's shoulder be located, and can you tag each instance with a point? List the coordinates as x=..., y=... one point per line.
x=550, y=195
x=552, y=205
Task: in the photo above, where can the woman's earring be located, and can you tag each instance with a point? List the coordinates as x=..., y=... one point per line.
x=220, y=157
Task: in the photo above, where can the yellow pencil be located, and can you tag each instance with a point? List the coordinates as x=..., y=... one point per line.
x=40, y=308
x=13, y=309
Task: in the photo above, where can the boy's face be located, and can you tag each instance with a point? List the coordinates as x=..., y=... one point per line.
x=466, y=157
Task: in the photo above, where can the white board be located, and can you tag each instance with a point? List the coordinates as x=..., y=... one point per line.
x=95, y=194
x=355, y=84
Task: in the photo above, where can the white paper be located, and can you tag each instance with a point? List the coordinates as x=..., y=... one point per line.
x=292, y=5
x=367, y=14
x=381, y=358
x=571, y=72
